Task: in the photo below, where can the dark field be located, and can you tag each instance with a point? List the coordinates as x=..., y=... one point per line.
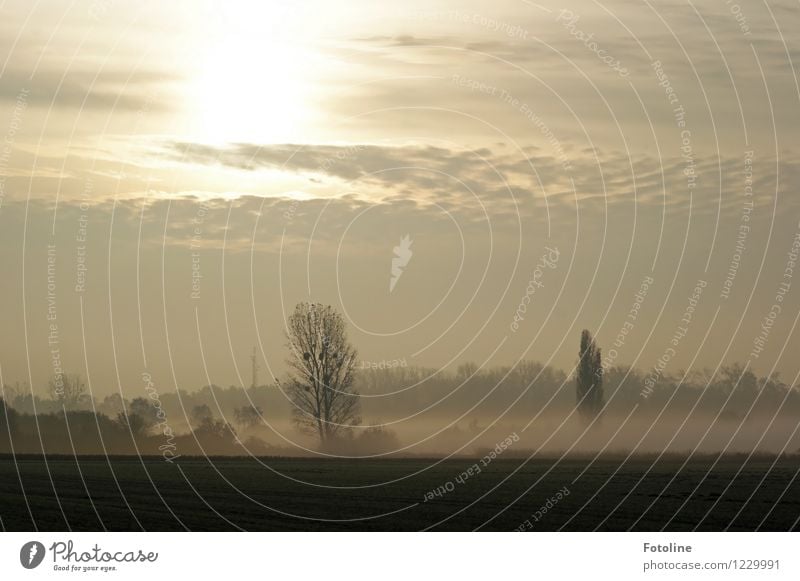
x=119, y=493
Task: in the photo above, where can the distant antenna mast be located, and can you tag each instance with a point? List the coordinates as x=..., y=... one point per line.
x=255, y=369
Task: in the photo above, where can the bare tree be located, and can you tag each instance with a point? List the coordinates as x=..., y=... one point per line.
x=323, y=363
x=112, y=405
x=466, y=370
x=145, y=412
x=201, y=415
x=66, y=390
x=248, y=416
x=133, y=423
x=589, y=380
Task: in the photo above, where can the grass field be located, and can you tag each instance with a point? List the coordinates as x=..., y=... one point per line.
x=124, y=493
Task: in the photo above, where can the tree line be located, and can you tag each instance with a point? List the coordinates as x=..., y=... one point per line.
x=322, y=394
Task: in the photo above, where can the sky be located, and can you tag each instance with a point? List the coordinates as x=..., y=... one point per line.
x=175, y=177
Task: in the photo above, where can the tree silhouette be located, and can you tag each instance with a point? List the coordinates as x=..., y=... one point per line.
x=133, y=423
x=323, y=365
x=589, y=380
x=201, y=415
x=146, y=412
x=8, y=421
x=67, y=390
x=248, y=416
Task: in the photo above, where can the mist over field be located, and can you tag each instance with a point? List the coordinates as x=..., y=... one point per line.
x=458, y=256
x=408, y=411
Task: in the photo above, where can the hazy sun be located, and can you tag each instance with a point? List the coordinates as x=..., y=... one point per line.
x=252, y=86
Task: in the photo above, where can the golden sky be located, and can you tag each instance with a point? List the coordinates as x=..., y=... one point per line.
x=200, y=167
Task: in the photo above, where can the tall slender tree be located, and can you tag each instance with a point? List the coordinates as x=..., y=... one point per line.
x=589, y=379
x=323, y=368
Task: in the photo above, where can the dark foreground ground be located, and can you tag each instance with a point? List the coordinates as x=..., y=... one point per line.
x=119, y=493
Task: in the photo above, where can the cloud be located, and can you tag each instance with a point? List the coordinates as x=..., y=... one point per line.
x=425, y=167
x=87, y=89
x=508, y=181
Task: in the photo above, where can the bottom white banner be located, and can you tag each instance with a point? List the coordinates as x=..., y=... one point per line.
x=399, y=556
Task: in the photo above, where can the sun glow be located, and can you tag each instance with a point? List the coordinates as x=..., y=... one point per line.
x=253, y=86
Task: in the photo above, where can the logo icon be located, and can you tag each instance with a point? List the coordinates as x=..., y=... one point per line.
x=402, y=256
x=31, y=554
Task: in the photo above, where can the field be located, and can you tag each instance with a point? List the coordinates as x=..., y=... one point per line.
x=128, y=493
